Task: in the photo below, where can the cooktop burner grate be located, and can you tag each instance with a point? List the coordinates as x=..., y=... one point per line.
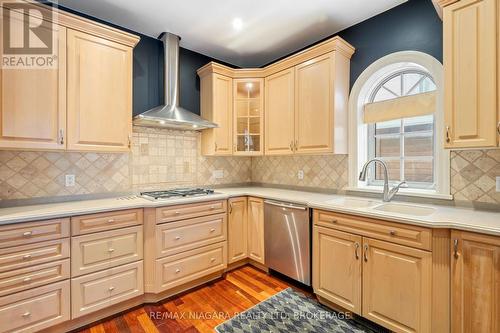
x=175, y=193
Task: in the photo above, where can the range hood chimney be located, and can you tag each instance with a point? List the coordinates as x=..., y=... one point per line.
x=171, y=115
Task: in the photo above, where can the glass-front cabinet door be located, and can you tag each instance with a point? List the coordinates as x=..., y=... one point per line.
x=248, y=116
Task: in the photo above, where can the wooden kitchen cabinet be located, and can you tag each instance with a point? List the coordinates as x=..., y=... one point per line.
x=475, y=283
x=217, y=106
x=99, y=93
x=470, y=30
x=33, y=102
x=248, y=119
x=237, y=229
x=397, y=286
x=280, y=113
x=256, y=229
x=337, y=267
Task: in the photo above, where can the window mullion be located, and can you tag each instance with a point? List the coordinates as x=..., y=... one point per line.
x=402, y=152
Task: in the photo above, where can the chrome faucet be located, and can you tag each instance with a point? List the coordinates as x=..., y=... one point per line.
x=388, y=194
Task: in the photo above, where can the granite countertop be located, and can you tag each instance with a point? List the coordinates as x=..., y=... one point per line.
x=439, y=217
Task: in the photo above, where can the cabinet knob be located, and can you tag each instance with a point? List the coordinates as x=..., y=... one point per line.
x=27, y=256
x=111, y=220
x=177, y=271
x=212, y=207
x=392, y=232
x=111, y=288
x=177, y=237
x=212, y=259
x=26, y=280
x=26, y=314
x=110, y=250
x=177, y=213
x=27, y=234
x=212, y=230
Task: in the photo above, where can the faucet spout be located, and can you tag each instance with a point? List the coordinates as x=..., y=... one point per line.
x=388, y=194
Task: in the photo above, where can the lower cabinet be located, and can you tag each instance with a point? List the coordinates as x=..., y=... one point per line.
x=475, y=283
x=237, y=229
x=256, y=229
x=385, y=282
x=35, y=309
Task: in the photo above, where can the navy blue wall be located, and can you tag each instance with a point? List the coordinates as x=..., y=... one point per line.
x=413, y=25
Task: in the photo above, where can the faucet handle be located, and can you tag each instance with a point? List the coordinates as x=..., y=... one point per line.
x=403, y=184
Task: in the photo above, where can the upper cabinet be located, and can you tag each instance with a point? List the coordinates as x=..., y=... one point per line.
x=295, y=106
x=471, y=64
x=83, y=103
x=248, y=117
x=217, y=106
x=99, y=93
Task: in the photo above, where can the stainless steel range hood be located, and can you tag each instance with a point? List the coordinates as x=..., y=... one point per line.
x=171, y=115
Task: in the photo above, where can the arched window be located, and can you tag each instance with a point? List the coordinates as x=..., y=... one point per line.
x=396, y=115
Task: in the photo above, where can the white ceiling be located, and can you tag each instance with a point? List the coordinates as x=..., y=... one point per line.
x=270, y=28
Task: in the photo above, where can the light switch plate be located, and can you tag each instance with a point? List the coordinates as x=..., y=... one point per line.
x=498, y=184
x=218, y=174
x=70, y=180
x=300, y=174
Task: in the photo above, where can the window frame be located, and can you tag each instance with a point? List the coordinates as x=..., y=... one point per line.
x=358, y=131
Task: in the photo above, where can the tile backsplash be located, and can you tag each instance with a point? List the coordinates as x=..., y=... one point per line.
x=163, y=158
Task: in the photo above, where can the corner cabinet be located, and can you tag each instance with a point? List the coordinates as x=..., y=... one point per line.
x=99, y=93
x=471, y=68
x=475, y=283
x=84, y=103
x=217, y=106
x=297, y=105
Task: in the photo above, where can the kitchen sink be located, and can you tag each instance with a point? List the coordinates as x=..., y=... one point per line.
x=353, y=203
x=405, y=209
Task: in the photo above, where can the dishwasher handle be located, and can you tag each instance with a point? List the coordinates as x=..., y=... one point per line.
x=284, y=205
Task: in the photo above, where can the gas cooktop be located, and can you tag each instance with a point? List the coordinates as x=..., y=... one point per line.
x=176, y=193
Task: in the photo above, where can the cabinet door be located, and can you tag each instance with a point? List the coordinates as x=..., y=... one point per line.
x=397, y=286
x=256, y=229
x=237, y=229
x=279, y=113
x=33, y=101
x=470, y=66
x=337, y=267
x=475, y=284
x=314, y=105
x=248, y=119
x=99, y=93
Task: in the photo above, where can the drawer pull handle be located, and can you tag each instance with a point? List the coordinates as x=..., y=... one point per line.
x=177, y=213
x=212, y=230
x=365, y=254
x=26, y=314
x=392, y=232
x=356, y=248
x=212, y=207
x=26, y=280
x=212, y=259
x=177, y=271
x=111, y=220
x=27, y=256
x=455, y=248
x=111, y=288
x=334, y=221
x=111, y=250
x=177, y=237
x=27, y=234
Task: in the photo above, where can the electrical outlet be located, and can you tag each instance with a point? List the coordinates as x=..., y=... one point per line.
x=218, y=174
x=300, y=174
x=70, y=180
x=498, y=184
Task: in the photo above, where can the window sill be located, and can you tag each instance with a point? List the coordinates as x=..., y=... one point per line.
x=403, y=192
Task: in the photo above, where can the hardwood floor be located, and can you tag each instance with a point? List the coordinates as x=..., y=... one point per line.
x=200, y=310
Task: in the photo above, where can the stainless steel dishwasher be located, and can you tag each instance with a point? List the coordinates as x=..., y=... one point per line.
x=287, y=240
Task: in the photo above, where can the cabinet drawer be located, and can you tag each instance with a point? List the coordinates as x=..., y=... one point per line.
x=33, y=254
x=182, y=212
x=175, y=237
x=187, y=266
x=394, y=232
x=36, y=309
x=94, y=252
x=33, y=232
x=96, y=291
x=87, y=224
x=35, y=276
